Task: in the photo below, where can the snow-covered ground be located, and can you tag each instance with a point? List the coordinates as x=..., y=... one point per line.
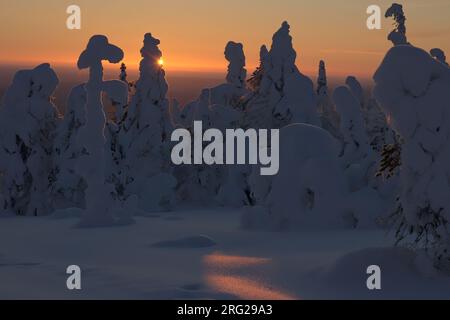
x=202, y=254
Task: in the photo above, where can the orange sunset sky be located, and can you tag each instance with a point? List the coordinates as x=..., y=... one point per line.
x=193, y=33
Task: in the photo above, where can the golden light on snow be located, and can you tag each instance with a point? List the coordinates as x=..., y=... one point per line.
x=223, y=274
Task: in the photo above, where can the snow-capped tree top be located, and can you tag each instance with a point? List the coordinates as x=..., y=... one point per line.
x=355, y=88
x=234, y=53
x=288, y=94
x=40, y=81
x=76, y=101
x=322, y=83
x=263, y=55
x=347, y=105
x=152, y=83
x=411, y=75
x=123, y=72
x=408, y=69
x=282, y=42
x=150, y=49
x=97, y=50
x=116, y=90
x=44, y=80
x=151, y=56
x=282, y=52
x=439, y=55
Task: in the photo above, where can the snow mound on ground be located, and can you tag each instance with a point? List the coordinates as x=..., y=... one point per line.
x=310, y=188
x=193, y=242
x=402, y=275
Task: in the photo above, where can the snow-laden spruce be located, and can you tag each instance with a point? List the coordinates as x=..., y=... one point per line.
x=28, y=121
x=68, y=187
x=357, y=156
x=218, y=108
x=379, y=132
x=117, y=92
x=328, y=116
x=283, y=94
x=356, y=88
x=227, y=114
x=358, y=160
x=412, y=87
x=146, y=135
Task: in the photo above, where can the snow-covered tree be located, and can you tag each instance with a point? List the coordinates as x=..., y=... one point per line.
x=356, y=146
x=229, y=94
x=92, y=166
x=28, y=124
x=398, y=35
x=412, y=87
x=310, y=188
x=237, y=73
x=357, y=156
x=219, y=108
x=285, y=95
x=356, y=89
x=123, y=73
x=379, y=132
x=68, y=185
x=328, y=115
x=146, y=134
x=117, y=92
x=322, y=82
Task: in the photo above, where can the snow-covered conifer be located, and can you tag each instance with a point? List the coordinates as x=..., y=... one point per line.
x=412, y=87
x=379, y=132
x=68, y=187
x=327, y=112
x=146, y=134
x=123, y=73
x=322, y=82
x=28, y=124
x=92, y=166
x=285, y=95
x=356, y=89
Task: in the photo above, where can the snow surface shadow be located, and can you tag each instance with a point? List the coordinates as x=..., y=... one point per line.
x=195, y=242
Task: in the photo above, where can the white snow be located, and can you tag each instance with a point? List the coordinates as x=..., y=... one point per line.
x=412, y=87
x=119, y=263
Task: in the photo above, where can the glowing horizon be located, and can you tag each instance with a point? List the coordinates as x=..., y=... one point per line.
x=193, y=36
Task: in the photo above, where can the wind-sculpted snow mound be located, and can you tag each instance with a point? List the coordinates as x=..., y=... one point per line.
x=310, y=188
